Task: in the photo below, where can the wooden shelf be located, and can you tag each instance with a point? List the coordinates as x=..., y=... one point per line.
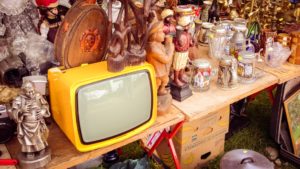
x=64, y=154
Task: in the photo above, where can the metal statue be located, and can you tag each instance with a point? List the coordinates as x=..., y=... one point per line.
x=29, y=110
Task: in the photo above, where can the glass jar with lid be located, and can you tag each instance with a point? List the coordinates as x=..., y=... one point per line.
x=238, y=41
x=204, y=32
x=217, y=41
x=227, y=73
x=201, y=74
x=246, y=67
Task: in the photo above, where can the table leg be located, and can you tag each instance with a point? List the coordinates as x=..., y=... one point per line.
x=169, y=137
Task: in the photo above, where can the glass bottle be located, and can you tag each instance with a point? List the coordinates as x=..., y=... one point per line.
x=214, y=11
x=238, y=41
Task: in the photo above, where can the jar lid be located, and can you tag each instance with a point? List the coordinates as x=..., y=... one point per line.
x=201, y=63
x=247, y=55
x=218, y=29
x=207, y=25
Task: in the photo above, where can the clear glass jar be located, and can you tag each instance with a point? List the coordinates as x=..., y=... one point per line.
x=238, y=40
x=227, y=73
x=201, y=74
x=217, y=41
x=246, y=67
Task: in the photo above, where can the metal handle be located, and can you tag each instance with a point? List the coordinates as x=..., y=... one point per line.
x=247, y=160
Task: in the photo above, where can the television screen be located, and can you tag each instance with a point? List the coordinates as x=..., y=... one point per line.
x=106, y=103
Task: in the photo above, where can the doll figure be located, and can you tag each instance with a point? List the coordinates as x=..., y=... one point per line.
x=183, y=42
x=52, y=16
x=160, y=55
x=167, y=16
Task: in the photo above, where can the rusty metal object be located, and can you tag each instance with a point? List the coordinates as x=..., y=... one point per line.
x=84, y=35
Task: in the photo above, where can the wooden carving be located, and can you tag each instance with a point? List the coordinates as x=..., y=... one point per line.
x=122, y=50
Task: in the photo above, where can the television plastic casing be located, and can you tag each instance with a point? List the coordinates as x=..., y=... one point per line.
x=63, y=86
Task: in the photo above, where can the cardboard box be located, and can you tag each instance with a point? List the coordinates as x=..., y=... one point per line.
x=200, y=156
x=195, y=157
x=198, y=141
x=203, y=129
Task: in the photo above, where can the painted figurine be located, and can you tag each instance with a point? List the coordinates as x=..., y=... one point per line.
x=160, y=55
x=52, y=16
x=29, y=110
x=183, y=42
x=167, y=16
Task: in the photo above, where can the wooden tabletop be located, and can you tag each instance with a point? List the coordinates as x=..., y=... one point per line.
x=284, y=73
x=64, y=154
x=200, y=104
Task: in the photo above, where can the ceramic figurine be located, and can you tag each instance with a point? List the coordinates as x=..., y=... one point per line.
x=167, y=16
x=183, y=42
x=52, y=16
x=160, y=56
x=29, y=110
x=179, y=87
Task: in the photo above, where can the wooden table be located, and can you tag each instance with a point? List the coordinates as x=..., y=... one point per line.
x=284, y=73
x=200, y=104
x=64, y=154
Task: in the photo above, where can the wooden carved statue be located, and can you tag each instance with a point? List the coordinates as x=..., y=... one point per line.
x=160, y=50
x=122, y=50
x=160, y=55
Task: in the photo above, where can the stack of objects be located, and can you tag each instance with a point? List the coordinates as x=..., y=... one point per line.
x=199, y=140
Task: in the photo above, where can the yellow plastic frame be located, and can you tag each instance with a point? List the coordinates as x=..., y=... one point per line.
x=62, y=89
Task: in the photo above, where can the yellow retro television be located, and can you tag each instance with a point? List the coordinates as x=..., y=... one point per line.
x=96, y=108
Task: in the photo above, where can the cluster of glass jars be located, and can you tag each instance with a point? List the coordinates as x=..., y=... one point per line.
x=227, y=43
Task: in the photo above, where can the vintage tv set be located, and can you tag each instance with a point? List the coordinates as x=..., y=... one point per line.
x=96, y=108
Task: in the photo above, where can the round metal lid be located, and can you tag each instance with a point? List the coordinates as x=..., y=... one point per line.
x=245, y=159
x=207, y=25
x=201, y=63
